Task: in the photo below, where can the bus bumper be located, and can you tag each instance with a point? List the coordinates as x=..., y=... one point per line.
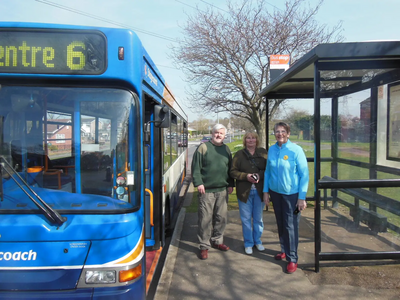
x=134, y=291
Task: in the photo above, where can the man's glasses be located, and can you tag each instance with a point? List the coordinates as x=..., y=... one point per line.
x=277, y=132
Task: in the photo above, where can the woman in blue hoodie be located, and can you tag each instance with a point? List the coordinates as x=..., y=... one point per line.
x=285, y=184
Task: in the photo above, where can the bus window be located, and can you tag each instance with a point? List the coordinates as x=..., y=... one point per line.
x=179, y=136
x=167, y=150
x=58, y=134
x=174, y=138
x=77, y=144
x=121, y=157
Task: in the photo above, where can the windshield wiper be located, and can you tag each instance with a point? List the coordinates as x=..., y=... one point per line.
x=51, y=214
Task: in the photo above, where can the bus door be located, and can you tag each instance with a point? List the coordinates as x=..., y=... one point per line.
x=156, y=118
x=151, y=196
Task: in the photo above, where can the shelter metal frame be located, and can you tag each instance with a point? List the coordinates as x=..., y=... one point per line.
x=321, y=73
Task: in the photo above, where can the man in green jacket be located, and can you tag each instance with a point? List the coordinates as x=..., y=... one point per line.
x=210, y=172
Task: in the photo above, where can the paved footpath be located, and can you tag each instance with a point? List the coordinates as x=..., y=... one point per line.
x=235, y=275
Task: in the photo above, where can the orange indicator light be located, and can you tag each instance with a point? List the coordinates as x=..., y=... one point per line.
x=128, y=275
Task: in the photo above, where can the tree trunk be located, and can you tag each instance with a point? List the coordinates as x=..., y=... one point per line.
x=262, y=137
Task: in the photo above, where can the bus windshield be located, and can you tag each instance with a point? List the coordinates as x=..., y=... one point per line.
x=64, y=141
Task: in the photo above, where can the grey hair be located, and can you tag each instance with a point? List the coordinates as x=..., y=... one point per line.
x=218, y=127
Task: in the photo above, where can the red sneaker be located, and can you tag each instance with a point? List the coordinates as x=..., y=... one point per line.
x=203, y=254
x=280, y=256
x=291, y=267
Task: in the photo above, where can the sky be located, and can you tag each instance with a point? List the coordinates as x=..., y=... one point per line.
x=158, y=22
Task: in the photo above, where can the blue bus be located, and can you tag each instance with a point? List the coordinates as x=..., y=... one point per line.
x=92, y=162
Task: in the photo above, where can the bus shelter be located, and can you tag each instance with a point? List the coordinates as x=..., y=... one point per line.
x=352, y=142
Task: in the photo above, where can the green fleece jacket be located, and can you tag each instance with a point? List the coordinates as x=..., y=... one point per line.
x=210, y=167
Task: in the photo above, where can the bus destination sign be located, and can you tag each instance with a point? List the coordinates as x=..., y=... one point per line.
x=52, y=52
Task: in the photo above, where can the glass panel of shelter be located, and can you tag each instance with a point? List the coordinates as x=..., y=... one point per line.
x=354, y=216
x=349, y=152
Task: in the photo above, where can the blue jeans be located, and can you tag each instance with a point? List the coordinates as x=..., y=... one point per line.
x=252, y=209
x=288, y=223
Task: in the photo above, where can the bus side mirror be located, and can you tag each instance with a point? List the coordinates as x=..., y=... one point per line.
x=161, y=116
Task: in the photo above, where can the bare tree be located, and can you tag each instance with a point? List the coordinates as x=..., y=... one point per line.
x=225, y=55
x=293, y=117
x=202, y=125
x=243, y=124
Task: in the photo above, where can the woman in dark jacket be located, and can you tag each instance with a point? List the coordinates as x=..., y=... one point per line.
x=248, y=168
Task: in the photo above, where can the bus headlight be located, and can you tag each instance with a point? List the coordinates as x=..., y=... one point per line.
x=106, y=276
x=110, y=276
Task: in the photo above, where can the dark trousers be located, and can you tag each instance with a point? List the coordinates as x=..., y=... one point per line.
x=288, y=223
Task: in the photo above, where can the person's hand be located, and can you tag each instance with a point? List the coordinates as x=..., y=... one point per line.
x=266, y=198
x=301, y=204
x=251, y=179
x=230, y=190
x=201, y=189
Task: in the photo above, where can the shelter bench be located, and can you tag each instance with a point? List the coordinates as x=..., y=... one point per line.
x=377, y=222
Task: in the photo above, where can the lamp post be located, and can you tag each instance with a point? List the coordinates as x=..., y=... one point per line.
x=229, y=130
x=233, y=131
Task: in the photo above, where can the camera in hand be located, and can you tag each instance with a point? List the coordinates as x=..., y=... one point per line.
x=254, y=176
x=296, y=211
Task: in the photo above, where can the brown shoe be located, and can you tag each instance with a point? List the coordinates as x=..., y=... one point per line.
x=221, y=247
x=280, y=256
x=203, y=254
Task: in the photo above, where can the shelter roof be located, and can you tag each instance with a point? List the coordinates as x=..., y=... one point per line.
x=345, y=68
